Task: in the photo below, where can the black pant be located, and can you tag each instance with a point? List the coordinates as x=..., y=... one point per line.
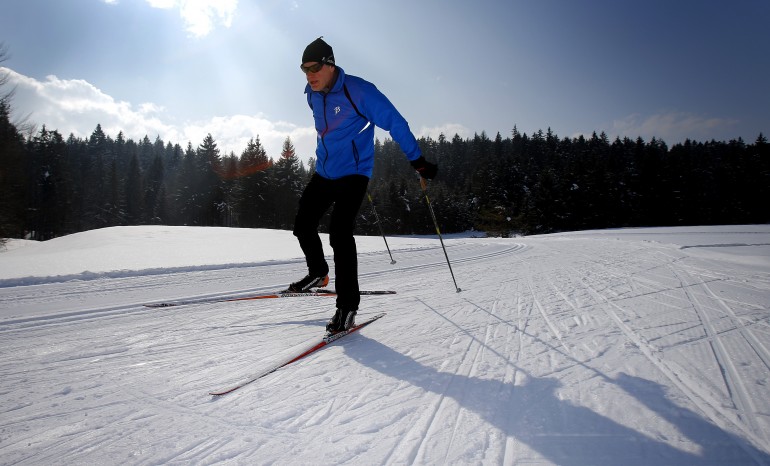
x=346, y=195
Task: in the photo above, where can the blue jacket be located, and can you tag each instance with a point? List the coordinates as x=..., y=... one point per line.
x=345, y=118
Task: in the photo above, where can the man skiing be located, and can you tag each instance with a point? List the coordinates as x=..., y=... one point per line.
x=346, y=109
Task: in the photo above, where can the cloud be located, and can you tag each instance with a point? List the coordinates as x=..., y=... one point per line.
x=75, y=106
x=674, y=127
x=200, y=16
x=232, y=133
x=448, y=130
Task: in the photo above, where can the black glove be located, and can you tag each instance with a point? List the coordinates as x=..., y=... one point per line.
x=426, y=169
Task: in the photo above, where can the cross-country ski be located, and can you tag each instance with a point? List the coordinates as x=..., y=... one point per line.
x=254, y=297
x=327, y=339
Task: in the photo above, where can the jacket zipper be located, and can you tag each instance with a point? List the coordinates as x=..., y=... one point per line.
x=323, y=135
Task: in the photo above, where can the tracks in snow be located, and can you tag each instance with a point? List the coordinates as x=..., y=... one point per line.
x=440, y=392
x=731, y=339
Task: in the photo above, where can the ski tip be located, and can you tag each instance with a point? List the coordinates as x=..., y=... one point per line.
x=219, y=393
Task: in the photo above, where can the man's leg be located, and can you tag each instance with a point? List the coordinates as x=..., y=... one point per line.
x=315, y=201
x=348, y=193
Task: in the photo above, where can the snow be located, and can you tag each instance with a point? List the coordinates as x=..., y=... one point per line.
x=631, y=346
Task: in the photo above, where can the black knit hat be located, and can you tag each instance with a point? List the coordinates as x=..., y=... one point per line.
x=318, y=51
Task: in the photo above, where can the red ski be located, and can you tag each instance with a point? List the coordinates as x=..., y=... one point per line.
x=309, y=350
x=279, y=294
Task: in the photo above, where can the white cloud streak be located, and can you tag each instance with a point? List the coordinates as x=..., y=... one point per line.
x=75, y=107
x=448, y=130
x=672, y=126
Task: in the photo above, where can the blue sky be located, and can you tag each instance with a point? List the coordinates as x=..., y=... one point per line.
x=181, y=69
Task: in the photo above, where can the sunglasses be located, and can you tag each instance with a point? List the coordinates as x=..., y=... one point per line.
x=313, y=68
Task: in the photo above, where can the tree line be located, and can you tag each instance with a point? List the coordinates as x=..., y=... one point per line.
x=521, y=184
x=539, y=183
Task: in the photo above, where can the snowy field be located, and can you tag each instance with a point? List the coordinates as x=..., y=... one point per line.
x=613, y=347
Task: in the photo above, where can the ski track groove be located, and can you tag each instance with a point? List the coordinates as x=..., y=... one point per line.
x=704, y=401
x=415, y=453
x=514, y=333
x=472, y=372
x=439, y=408
x=545, y=317
x=138, y=307
x=466, y=371
x=756, y=345
x=731, y=377
x=513, y=349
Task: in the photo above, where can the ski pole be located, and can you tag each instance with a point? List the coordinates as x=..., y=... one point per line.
x=438, y=232
x=377, y=217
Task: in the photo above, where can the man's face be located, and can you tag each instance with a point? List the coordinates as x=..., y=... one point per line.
x=321, y=79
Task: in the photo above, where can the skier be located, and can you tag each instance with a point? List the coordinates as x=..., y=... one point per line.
x=346, y=109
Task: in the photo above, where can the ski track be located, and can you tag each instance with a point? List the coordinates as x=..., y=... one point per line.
x=723, y=355
x=736, y=391
x=470, y=386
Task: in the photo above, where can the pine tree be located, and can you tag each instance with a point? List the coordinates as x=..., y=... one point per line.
x=52, y=188
x=113, y=202
x=154, y=193
x=232, y=191
x=186, y=194
x=287, y=183
x=92, y=181
x=13, y=195
x=253, y=206
x=133, y=192
x=209, y=173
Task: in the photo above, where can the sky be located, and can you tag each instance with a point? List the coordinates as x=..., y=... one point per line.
x=182, y=69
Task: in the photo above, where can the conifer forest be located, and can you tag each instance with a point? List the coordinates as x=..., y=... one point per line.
x=518, y=184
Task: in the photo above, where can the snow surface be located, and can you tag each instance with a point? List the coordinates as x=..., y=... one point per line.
x=633, y=347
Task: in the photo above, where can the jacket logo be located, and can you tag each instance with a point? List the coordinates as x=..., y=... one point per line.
x=337, y=110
